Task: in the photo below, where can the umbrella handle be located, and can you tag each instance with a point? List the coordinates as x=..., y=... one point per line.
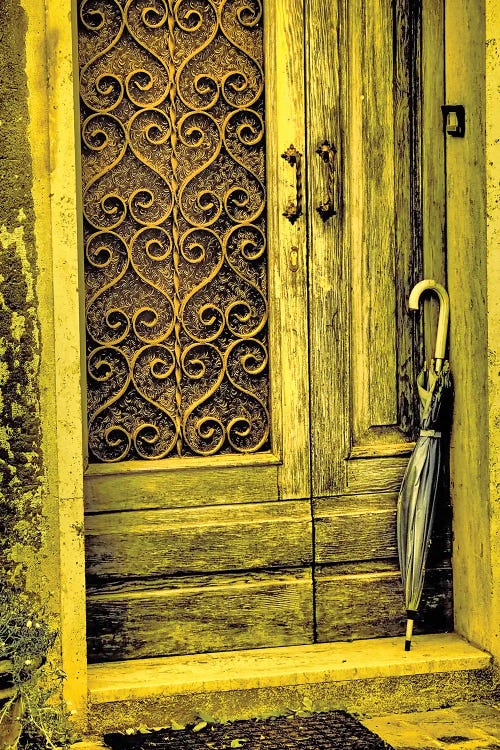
x=444, y=314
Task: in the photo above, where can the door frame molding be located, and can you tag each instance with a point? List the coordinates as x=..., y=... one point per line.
x=56, y=181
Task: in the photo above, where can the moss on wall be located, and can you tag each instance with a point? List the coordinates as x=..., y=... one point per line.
x=21, y=469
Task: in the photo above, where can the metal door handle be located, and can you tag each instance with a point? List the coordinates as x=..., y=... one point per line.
x=327, y=152
x=294, y=158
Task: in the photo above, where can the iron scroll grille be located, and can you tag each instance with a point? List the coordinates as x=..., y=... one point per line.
x=174, y=201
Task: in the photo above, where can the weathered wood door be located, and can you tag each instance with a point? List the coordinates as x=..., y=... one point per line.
x=249, y=360
x=365, y=348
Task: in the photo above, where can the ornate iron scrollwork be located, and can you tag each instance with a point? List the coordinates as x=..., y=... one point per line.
x=173, y=164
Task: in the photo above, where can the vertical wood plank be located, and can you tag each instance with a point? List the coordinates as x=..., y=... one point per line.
x=329, y=267
x=408, y=201
x=287, y=245
x=433, y=162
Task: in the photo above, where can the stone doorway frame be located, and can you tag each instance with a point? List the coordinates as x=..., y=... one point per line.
x=473, y=278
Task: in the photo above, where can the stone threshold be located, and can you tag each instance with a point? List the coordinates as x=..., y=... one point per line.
x=250, y=670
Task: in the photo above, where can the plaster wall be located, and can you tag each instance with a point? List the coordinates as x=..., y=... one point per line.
x=474, y=287
x=493, y=291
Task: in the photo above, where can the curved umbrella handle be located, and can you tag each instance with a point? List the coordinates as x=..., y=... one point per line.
x=444, y=313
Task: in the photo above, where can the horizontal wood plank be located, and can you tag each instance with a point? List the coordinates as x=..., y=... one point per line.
x=371, y=605
x=366, y=475
x=381, y=450
x=232, y=614
x=160, y=488
x=340, y=504
x=363, y=527
x=363, y=535
x=143, y=544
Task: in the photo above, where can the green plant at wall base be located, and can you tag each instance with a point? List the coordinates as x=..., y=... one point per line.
x=33, y=703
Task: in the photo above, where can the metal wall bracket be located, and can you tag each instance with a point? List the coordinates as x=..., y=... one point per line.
x=454, y=120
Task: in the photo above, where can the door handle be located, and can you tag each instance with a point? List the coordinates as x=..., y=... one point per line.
x=327, y=151
x=294, y=158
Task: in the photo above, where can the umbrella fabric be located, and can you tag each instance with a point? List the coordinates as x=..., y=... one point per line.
x=417, y=496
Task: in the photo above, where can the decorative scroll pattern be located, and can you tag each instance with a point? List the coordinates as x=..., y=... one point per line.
x=172, y=103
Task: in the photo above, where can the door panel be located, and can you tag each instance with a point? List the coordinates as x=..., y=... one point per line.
x=382, y=255
x=371, y=164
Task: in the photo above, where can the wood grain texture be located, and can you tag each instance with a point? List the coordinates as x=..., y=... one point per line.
x=384, y=216
x=371, y=605
x=363, y=528
x=231, y=614
x=127, y=489
x=148, y=544
x=371, y=170
x=386, y=450
x=356, y=535
x=329, y=263
x=375, y=474
x=433, y=162
x=408, y=154
x=285, y=106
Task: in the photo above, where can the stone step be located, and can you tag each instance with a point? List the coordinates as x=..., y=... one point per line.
x=371, y=677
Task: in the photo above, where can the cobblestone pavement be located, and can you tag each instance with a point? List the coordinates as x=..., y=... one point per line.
x=467, y=726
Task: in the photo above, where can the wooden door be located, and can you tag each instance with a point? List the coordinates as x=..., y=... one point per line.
x=282, y=541
x=197, y=489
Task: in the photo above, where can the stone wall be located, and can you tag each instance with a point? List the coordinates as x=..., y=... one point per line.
x=21, y=463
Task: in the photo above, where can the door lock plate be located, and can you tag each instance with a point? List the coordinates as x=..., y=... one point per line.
x=454, y=120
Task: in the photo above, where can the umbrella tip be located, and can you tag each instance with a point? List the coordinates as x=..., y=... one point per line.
x=409, y=629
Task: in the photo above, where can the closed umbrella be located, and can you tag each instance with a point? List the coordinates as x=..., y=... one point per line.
x=417, y=496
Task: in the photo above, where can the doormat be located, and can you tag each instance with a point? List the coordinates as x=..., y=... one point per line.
x=335, y=730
